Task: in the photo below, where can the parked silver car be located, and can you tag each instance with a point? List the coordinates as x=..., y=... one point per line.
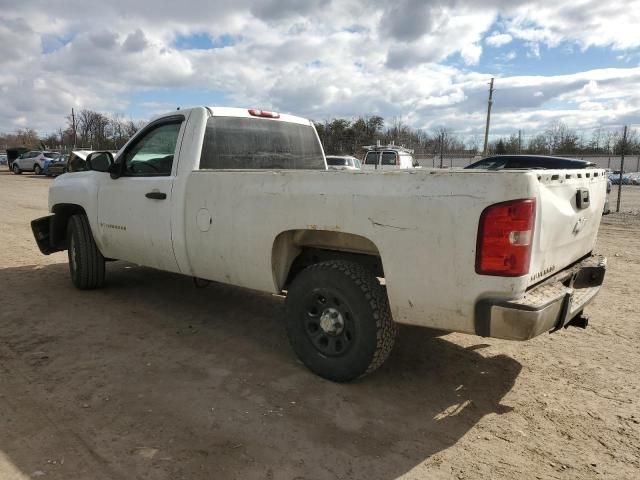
x=33, y=161
x=340, y=162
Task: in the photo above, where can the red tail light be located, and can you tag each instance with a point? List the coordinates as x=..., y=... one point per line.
x=263, y=113
x=505, y=235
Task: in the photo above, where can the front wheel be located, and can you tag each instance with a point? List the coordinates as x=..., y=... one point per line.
x=338, y=320
x=16, y=169
x=37, y=169
x=86, y=263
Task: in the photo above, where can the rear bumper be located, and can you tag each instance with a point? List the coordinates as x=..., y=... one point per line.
x=546, y=307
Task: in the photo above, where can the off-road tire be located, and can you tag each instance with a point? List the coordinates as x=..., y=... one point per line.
x=37, y=169
x=16, y=169
x=366, y=306
x=86, y=263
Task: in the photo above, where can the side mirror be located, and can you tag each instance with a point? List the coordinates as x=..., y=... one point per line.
x=100, y=161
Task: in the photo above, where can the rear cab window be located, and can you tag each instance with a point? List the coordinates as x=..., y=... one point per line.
x=258, y=143
x=389, y=158
x=371, y=158
x=337, y=162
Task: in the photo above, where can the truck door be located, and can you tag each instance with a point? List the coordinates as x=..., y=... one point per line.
x=134, y=210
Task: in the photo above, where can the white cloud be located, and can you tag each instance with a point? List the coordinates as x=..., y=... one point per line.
x=507, y=57
x=498, y=39
x=534, y=50
x=318, y=58
x=589, y=23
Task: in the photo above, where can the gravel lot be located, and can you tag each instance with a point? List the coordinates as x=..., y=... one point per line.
x=152, y=378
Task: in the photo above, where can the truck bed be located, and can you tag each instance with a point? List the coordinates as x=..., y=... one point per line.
x=423, y=224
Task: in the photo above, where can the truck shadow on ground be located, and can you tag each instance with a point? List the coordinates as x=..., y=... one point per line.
x=153, y=378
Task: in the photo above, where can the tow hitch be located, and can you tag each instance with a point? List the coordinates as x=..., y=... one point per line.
x=580, y=321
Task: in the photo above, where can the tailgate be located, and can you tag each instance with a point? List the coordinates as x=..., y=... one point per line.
x=569, y=208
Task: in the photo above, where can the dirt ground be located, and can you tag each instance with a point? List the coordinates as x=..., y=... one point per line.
x=151, y=378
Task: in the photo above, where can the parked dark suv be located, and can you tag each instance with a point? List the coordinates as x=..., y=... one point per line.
x=502, y=162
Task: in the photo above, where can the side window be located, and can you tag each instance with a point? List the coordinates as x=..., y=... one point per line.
x=389, y=158
x=153, y=153
x=371, y=158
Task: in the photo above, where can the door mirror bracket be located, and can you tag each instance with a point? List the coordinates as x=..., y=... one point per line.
x=114, y=170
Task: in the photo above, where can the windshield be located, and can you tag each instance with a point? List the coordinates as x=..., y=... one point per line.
x=488, y=164
x=529, y=162
x=256, y=143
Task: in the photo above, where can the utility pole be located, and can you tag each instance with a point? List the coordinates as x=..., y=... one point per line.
x=519, y=142
x=486, y=130
x=73, y=127
x=624, y=142
x=441, y=147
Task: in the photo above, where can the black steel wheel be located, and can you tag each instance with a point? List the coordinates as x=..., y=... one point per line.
x=338, y=320
x=329, y=322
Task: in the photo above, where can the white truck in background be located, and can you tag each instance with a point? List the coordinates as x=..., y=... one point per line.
x=388, y=157
x=244, y=197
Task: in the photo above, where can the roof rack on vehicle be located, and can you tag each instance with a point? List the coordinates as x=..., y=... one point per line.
x=391, y=146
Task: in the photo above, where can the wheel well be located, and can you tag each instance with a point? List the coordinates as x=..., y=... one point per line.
x=295, y=250
x=63, y=212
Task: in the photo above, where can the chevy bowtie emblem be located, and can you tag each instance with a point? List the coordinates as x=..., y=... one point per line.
x=582, y=221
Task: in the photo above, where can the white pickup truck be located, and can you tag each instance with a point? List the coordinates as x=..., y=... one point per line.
x=244, y=197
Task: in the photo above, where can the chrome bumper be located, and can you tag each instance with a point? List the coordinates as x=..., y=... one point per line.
x=547, y=307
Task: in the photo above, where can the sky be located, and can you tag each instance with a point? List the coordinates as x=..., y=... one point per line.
x=425, y=63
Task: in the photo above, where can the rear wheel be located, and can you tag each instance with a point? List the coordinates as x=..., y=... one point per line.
x=37, y=169
x=86, y=263
x=16, y=169
x=338, y=320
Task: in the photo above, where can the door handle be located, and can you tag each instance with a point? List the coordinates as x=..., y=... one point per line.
x=156, y=195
